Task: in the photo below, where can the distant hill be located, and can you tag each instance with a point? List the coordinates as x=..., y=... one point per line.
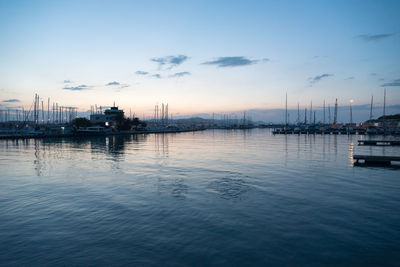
x=360, y=114
x=395, y=117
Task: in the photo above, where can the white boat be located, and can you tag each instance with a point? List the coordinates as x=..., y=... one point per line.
x=94, y=130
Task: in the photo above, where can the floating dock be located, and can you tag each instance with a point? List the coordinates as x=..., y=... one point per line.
x=326, y=132
x=375, y=160
x=378, y=142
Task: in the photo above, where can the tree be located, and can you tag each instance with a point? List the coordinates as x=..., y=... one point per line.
x=81, y=122
x=124, y=124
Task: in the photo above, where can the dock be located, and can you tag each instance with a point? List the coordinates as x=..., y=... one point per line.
x=375, y=160
x=378, y=142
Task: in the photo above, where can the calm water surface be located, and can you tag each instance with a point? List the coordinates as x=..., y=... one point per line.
x=195, y=199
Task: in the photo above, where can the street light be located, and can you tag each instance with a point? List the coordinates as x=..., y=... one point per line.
x=351, y=112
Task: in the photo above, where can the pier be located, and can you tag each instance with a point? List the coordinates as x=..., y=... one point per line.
x=375, y=160
x=318, y=131
x=378, y=142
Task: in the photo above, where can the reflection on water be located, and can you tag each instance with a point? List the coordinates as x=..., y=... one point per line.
x=202, y=198
x=46, y=151
x=351, y=153
x=161, y=143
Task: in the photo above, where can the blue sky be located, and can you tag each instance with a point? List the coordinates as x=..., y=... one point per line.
x=199, y=56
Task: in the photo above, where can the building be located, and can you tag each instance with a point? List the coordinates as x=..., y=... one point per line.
x=108, y=118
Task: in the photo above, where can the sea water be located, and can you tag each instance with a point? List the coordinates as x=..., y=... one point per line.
x=215, y=197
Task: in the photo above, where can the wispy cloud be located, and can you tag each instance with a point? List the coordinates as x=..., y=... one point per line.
x=169, y=61
x=375, y=37
x=140, y=72
x=318, y=78
x=67, y=81
x=77, y=88
x=233, y=61
x=350, y=78
x=117, y=85
x=393, y=83
x=11, y=100
x=114, y=83
x=158, y=76
x=180, y=74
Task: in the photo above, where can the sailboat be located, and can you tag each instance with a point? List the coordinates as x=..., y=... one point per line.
x=371, y=129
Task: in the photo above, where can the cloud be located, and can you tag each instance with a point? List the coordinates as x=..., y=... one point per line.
x=77, y=88
x=350, y=78
x=170, y=61
x=320, y=77
x=11, y=100
x=113, y=83
x=117, y=85
x=140, y=72
x=158, y=76
x=233, y=61
x=67, y=81
x=375, y=37
x=180, y=74
x=394, y=83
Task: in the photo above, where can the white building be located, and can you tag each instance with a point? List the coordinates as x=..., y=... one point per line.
x=109, y=116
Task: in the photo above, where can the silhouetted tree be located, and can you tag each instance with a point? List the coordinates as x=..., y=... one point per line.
x=81, y=122
x=124, y=124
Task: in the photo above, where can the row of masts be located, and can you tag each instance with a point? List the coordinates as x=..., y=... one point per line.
x=40, y=113
x=161, y=114
x=312, y=114
x=94, y=109
x=229, y=120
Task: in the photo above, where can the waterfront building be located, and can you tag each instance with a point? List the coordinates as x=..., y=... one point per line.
x=109, y=116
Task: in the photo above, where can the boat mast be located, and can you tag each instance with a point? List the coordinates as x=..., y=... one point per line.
x=286, y=121
x=329, y=113
x=351, y=112
x=48, y=110
x=335, y=115
x=42, y=113
x=166, y=114
x=370, y=111
x=384, y=108
x=34, y=109
x=314, y=117
x=305, y=115
x=298, y=113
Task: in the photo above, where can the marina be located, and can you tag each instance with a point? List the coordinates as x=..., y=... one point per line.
x=199, y=133
x=386, y=125
x=103, y=121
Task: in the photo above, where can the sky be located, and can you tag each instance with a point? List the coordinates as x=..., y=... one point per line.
x=199, y=56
